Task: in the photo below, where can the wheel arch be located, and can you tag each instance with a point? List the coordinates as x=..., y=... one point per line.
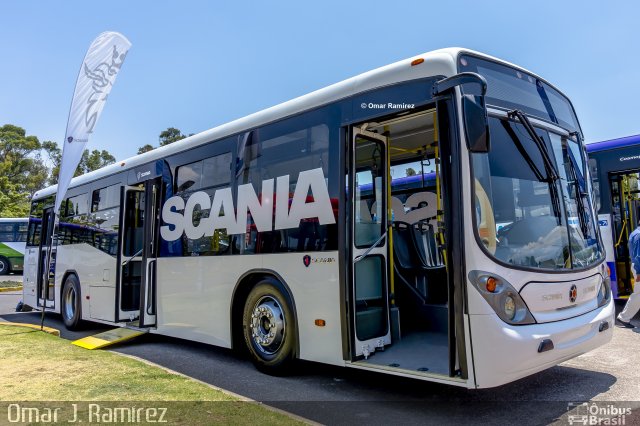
x=8, y=262
x=66, y=275
x=243, y=287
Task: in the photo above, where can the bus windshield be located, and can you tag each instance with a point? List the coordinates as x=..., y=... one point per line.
x=514, y=89
x=528, y=220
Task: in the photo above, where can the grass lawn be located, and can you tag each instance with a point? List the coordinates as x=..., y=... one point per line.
x=36, y=366
x=7, y=284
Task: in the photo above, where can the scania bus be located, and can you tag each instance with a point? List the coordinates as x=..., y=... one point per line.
x=615, y=167
x=412, y=220
x=13, y=235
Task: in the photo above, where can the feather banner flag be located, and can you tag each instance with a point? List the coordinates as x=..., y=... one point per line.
x=97, y=75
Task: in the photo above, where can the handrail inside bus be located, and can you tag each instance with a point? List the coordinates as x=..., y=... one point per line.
x=131, y=258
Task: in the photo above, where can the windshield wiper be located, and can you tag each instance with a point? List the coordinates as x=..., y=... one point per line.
x=548, y=163
x=552, y=174
x=580, y=186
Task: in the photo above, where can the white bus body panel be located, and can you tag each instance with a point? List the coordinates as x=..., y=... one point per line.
x=96, y=271
x=194, y=298
x=604, y=222
x=30, y=277
x=504, y=353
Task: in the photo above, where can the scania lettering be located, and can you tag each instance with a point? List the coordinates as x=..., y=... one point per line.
x=430, y=219
x=310, y=181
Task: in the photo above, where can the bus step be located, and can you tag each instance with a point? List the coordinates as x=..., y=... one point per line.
x=108, y=338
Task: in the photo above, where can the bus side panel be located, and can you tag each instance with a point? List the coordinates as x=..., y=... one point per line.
x=30, y=277
x=316, y=293
x=194, y=298
x=96, y=271
x=604, y=221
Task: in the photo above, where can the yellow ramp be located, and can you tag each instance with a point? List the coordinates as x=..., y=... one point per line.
x=108, y=338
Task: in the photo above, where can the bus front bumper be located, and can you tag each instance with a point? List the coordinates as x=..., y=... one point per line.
x=503, y=353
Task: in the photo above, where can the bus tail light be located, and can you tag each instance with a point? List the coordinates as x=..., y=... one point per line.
x=502, y=297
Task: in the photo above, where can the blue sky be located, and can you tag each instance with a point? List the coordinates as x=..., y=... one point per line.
x=196, y=64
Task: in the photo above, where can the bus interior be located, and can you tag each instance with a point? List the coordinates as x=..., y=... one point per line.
x=625, y=213
x=418, y=284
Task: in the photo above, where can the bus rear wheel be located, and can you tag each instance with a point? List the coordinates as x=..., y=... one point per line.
x=269, y=327
x=5, y=266
x=71, y=303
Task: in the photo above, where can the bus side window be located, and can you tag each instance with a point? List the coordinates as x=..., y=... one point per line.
x=7, y=232
x=21, y=232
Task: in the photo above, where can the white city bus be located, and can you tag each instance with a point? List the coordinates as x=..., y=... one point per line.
x=412, y=220
x=13, y=235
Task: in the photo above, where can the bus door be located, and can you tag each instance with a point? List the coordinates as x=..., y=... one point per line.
x=135, y=295
x=44, y=283
x=369, y=243
x=625, y=214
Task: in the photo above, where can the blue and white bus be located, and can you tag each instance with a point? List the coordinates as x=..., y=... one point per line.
x=615, y=169
x=412, y=220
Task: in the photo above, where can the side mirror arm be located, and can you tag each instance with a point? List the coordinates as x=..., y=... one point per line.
x=439, y=87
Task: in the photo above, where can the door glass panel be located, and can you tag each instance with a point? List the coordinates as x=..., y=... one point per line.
x=371, y=317
x=369, y=186
x=133, y=223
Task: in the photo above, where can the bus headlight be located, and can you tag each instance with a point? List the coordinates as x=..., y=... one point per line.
x=502, y=297
x=509, y=307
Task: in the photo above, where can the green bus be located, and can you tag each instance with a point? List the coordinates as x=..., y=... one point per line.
x=13, y=238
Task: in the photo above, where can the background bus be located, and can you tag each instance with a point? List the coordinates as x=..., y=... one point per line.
x=615, y=169
x=13, y=237
x=355, y=226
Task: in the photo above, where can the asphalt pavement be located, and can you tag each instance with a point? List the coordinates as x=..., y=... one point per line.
x=333, y=395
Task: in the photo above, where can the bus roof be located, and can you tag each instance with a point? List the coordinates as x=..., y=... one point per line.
x=624, y=142
x=13, y=219
x=437, y=62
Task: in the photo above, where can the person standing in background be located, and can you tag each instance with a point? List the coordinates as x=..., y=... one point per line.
x=633, y=304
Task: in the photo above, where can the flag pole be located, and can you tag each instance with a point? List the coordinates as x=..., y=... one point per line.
x=98, y=72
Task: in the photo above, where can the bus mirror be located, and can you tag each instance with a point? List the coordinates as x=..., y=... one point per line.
x=476, y=125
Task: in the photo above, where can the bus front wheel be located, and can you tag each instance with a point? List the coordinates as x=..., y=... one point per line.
x=71, y=303
x=5, y=266
x=269, y=327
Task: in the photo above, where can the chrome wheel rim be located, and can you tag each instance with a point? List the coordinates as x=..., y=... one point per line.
x=268, y=325
x=3, y=266
x=70, y=303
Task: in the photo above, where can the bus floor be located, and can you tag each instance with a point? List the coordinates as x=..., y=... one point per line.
x=424, y=351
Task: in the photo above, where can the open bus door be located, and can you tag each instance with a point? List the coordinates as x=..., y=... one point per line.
x=370, y=243
x=45, y=283
x=625, y=214
x=137, y=254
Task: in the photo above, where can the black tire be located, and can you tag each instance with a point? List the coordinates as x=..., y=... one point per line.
x=268, y=307
x=5, y=266
x=71, y=303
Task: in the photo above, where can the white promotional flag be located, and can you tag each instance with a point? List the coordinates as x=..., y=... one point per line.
x=97, y=74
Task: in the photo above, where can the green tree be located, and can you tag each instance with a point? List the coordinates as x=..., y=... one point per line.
x=90, y=160
x=94, y=160
x=145, y=148
x=410, y=172
x=22, y=170
x=170, y=136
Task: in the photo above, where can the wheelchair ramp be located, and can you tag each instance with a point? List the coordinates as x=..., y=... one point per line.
x=108, y=338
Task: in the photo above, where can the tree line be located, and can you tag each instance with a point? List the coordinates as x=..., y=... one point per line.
x=28, y=165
